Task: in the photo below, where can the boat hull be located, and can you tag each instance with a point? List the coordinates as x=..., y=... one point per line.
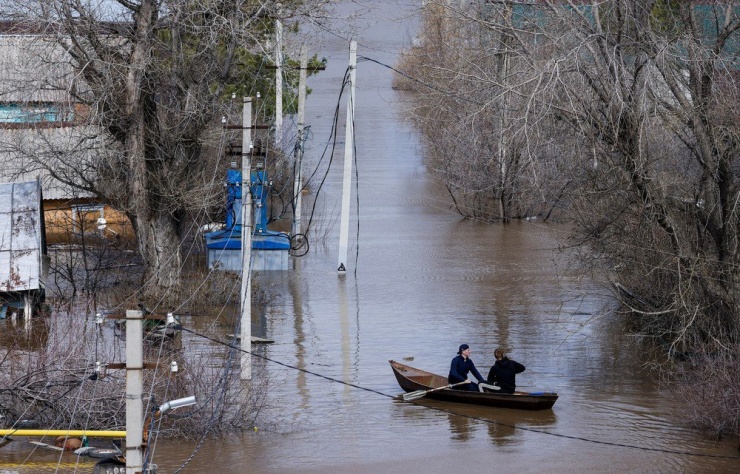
x=411, y=380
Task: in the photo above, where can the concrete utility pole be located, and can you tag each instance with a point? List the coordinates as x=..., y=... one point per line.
x=279, y=76
x=348, y=159
x=246, y=289
x=134, y=386
x=298, y=180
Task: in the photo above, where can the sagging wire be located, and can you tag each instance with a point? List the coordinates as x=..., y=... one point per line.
x=411, y=78
x=333, y=133
x=493, y=422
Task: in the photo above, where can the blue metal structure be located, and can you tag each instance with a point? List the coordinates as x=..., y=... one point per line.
x=269, y=248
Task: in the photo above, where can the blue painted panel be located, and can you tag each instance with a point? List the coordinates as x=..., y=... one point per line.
x=34, y=113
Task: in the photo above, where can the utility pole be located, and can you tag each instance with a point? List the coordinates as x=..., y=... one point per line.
x=246, y=287
x=348, y=159
x=134, y=386
x=279, y=76
x=298, y=180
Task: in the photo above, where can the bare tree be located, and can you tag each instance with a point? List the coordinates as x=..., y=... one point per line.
x=630, y=107
x=50, y=374
x=649, y=90
x=149, y=79
x=472, y=100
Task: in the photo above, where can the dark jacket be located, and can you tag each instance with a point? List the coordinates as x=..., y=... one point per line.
x=459, y=370
x=504, y=373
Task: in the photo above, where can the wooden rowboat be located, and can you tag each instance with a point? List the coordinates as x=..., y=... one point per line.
x=411, y=380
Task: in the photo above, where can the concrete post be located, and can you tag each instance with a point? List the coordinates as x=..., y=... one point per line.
x=134, y=385
x=246, y=287
x=298, y=179
x=348, y=160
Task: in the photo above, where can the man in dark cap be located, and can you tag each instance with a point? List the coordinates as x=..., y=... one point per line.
x=461, y=365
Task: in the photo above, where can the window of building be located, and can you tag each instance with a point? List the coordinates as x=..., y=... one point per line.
x=35, y=112
x=85, y=218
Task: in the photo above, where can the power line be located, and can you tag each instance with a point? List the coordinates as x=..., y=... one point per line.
x=425, y=84
x=483, y=211
x=533, y=430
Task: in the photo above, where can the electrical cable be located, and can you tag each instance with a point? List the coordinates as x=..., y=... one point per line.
x=636, y=247
x=493, y=422
x=331, y=155
x=429, y=86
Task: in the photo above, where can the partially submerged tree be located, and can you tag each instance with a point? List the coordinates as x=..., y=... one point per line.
x=647, y=94
x=150, y=88
x=472, y=102
x=652, y=89
x=638, y=100
x=50, y=375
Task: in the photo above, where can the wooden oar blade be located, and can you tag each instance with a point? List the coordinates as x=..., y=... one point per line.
x=420, y=393
x=407, y=397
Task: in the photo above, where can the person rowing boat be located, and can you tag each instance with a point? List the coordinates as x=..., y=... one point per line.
x=461, y=365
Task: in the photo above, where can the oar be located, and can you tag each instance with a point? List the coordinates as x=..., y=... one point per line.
x=407, y=397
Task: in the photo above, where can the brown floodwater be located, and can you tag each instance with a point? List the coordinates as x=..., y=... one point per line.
x=420, y=282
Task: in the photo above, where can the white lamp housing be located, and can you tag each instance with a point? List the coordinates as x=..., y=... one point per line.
x=175, y=404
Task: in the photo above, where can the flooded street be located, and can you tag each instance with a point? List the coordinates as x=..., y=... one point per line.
x=420, y=282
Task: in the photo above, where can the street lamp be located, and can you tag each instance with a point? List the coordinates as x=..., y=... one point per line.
x=175, y=404
x=117, y=464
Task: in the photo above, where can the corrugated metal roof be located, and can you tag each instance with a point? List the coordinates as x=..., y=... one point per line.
x=33, y=69
x=21, y=239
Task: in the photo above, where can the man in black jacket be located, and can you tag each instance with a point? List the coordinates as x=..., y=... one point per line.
x=503, y=373
x=461, y=365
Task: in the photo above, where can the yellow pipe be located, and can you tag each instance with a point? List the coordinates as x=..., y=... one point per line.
x=50, y=466
x=88, y=433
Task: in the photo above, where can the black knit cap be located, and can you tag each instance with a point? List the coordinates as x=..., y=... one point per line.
x=462, y=348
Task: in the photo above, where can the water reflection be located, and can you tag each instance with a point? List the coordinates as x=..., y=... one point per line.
x=344, y=336
x=300, y=337
x=504, y=427
x=26, y=335
x=460, y=427
x=505, y=424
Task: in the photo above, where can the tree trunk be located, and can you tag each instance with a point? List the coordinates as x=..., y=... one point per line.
x=157, y=228
x=158, y=240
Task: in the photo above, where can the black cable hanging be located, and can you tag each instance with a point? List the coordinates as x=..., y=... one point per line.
x=533, y=430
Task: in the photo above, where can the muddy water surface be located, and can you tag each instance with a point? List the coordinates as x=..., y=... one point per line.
x=420, y=282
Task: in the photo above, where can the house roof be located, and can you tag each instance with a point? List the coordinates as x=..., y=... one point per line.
x=33, y=69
